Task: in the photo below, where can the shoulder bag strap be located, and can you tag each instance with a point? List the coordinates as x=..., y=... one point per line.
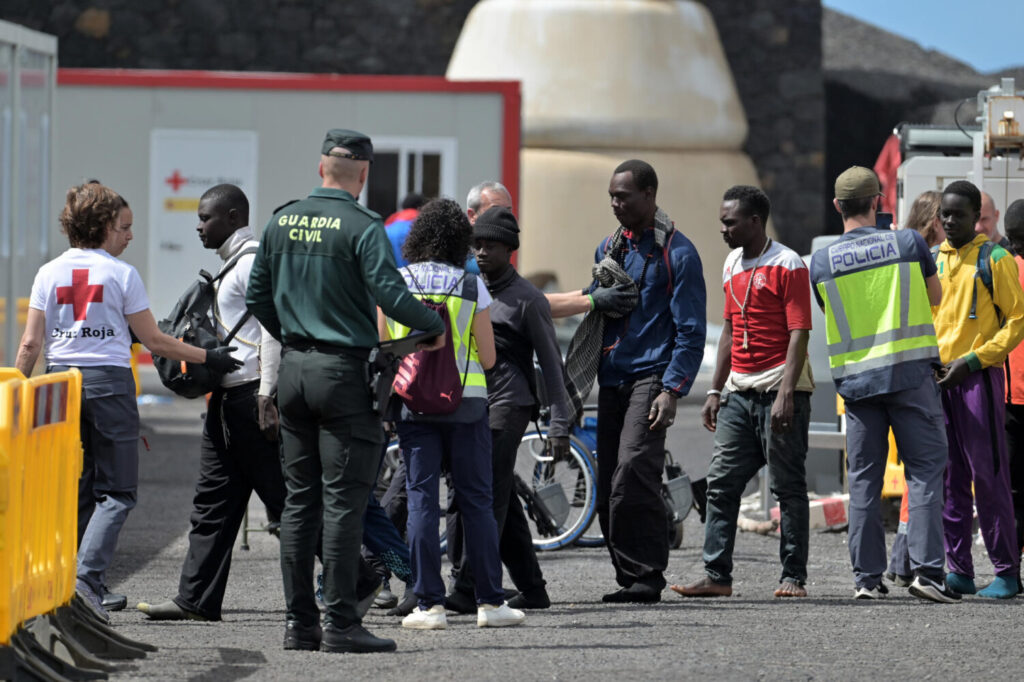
x=227, y=267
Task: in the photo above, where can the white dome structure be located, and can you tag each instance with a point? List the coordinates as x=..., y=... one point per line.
x=604, y=81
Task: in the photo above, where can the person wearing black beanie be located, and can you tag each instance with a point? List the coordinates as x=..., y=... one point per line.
x=521, y=318
x=498, y=224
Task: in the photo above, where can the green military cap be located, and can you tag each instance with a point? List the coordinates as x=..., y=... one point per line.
x=358, y=145
x=857, y=182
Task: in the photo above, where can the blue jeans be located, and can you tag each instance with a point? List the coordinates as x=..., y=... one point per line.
x=469, y=449
x=744, y=442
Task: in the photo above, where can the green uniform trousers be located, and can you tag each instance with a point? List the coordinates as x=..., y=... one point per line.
x=331, y=444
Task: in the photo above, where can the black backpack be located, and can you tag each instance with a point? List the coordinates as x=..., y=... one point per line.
x=191, y=321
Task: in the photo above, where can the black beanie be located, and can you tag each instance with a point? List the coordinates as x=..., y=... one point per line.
x=497, y=224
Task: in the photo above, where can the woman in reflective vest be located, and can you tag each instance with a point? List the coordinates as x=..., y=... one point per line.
x=442, y=415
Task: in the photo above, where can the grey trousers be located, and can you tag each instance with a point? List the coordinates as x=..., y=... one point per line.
x=744, y=442
x=915, y=416
x=110, y=471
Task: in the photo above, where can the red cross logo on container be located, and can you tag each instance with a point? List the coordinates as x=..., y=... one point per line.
x=176, y=180
x=80, y=294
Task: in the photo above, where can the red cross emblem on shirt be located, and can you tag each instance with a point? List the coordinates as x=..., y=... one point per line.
x=80, y=294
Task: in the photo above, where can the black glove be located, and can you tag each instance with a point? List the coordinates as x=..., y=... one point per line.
x=619, y=299
x=219, y=359
x=558, y=448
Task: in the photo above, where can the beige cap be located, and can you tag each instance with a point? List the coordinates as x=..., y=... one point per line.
x=857, y=182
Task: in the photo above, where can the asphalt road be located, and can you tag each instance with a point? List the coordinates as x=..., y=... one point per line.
x=748, y=636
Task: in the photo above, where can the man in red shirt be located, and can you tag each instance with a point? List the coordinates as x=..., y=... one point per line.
x=764, y=414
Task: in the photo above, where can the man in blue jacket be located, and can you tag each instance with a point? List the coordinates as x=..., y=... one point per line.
x=648, y=360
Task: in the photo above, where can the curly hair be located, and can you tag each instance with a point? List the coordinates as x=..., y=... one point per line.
x=89, y=210
x=643, y=173
x=441, y=232
x=752, y=201
x=966, y=190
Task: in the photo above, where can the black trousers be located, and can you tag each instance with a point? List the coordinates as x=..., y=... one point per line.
x=330, y=441
x=630, y=461
x=396, y=499
x=236, y=460
x=508, y=424
x=1015, y=450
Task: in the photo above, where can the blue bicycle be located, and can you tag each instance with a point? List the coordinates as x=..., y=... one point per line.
x=559, y=493
x=551, y=501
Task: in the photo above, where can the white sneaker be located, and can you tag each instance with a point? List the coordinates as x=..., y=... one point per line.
x=433, y=618
x=879, y=591
x=501, y=616
x=926, y=588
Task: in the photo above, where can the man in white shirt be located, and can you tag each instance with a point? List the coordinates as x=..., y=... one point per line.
x=239, y=447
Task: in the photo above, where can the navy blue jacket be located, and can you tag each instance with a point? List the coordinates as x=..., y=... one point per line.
x=665, y=333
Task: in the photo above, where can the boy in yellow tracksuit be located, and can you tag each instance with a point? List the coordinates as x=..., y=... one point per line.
x=979, y=321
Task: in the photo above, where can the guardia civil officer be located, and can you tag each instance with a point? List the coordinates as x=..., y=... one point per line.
x=323, y=267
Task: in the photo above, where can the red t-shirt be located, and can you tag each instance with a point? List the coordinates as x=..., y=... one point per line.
x=780, y=301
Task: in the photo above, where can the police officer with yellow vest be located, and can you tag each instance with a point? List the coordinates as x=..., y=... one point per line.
x=323, y=267
x=877, y=287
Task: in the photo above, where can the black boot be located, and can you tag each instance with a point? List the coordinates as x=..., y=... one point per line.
x=354, y=639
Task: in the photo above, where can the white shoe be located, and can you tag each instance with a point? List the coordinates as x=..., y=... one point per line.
x=433, y=618
x=879, y=591
x=501, y=616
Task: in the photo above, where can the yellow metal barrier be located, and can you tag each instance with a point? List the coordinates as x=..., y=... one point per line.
x=42, y=450
x=136, y=350
x=894, y=483
x=53, y=465
x=11, y=593
x=22, y=304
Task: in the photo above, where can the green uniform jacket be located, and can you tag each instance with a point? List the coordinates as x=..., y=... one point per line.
x=323, y=266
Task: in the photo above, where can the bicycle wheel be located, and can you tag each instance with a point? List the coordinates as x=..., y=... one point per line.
x=558, y=495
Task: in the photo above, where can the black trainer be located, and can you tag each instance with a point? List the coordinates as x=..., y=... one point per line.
x=405, y=606
x=531, y=599
x=354, y=639
x=899, y=580
x=112, y=601
x=460, y=602
x=879, y=591
x=637, y=593
x=300, y=637
x=933, y=590
x=386, y=599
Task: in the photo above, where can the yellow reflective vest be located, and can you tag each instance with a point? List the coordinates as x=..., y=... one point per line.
x=878, y=316
x=461, y=312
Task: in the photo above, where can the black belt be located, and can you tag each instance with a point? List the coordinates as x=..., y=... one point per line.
x=356, y=352
x=247, y=387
